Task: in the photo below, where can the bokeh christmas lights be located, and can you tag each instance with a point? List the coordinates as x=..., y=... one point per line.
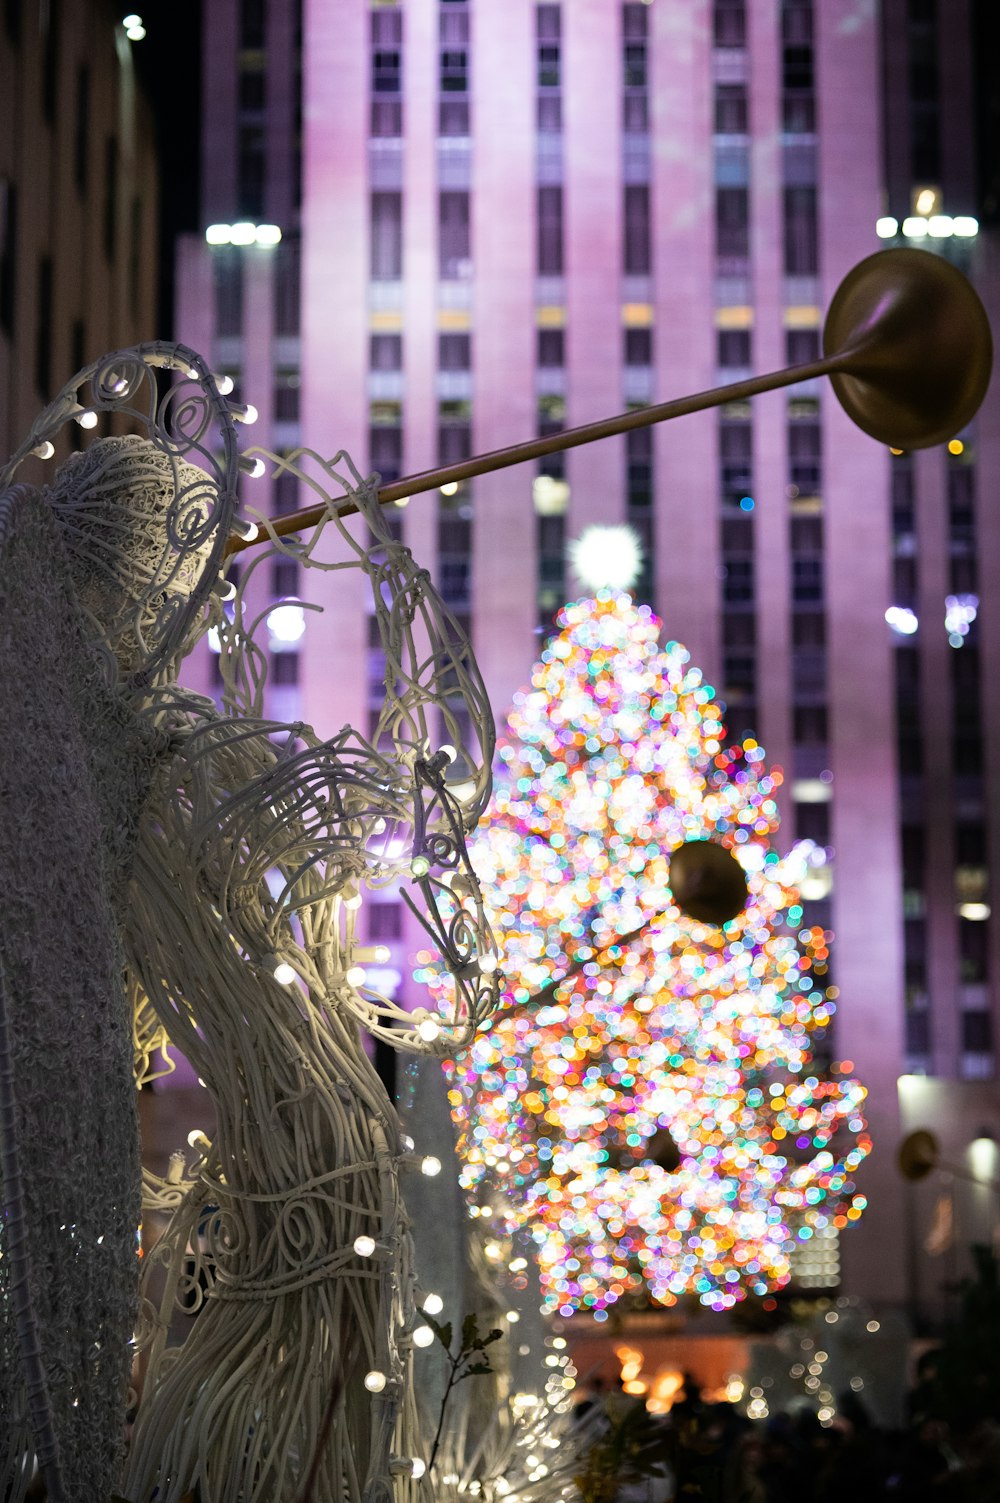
x=633, y=1036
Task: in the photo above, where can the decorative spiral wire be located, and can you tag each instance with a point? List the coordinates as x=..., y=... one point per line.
x=286, y=1251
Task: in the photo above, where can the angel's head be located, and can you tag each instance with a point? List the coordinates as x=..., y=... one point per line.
x=140, y=525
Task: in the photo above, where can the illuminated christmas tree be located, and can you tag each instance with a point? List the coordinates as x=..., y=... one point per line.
x=645, y=1108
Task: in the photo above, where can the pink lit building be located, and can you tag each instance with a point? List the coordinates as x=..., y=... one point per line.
x=498, y=220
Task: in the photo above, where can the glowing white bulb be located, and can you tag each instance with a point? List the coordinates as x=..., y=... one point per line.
x=423, y=1336
x=488, y=963
x=375, y=1381
x=87, y=419
x=428, y=1029
x=226, y=589
x=606, y=557
x=517, y=1264
x=283, y=973
x=433, y=1304
x=513, y=1317
x=268, y=234
x=401, y=501
x=417, y=1467
x=364, y=1246
x=44, y=450
x=420, y=866
x=287, y=622
x=136, y=33
x=248, y=531
x=355, y=976
x=219, y=234
x=131, y=20
x=886, y=227
x=449, y=488
x=243, y=232
x=448, y=752
x=430, y=1166
x=224, y=383
x=197, y=1139
x=382, y=954
x=353, y=901
x=252, y=467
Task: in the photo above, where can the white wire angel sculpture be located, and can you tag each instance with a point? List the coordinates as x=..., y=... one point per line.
x=254, y=843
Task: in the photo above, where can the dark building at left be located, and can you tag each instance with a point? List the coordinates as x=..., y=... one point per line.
x=78, y=198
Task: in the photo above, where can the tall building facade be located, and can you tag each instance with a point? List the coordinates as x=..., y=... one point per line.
x=78, y=200
x=498, y=221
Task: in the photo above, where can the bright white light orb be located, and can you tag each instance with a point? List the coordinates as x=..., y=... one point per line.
x=364, y=1246
x=423, y=1336
x=902, y=620
x=268, y=234
x=428, y=1029
x=430, y=1166
x=287, y=623
x=87, y=419
x=284, y=974
x=417, y=1467
x=243, y=232
x=433, y=1304
x=375, y=1381
x=606, y=557
x=355, y=976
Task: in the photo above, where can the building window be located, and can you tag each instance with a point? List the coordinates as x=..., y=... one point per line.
x=385, y=352
x=801, y=346
x=252, y=86
x=735, y=460
x=44, y=328
x=637, y=230
x=251, y=171
x=550, y=231
x=110, y=217
x=8, y=254
x=385, y=440
x=805, y=437
x=81, y=133
x=12, y=19
x=50, y=25
x=284, y=668
x=454, y=247
x=386, y=237
x=454, y=352
x=732, y=230
x=287, y=273
x=134, y=255
x=731, y=109
x=287, y=388
x=227, y=277
x=810, y=725
x=733, y=349
x=801, y=239
x=548, y=65
x=639, y=468
x=729, y=23
x=387, y=55
x=551, y=348
x=639, y=347
x=385, y=921
x=455, y=71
